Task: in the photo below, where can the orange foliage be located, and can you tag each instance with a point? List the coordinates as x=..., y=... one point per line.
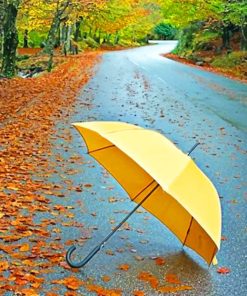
x=28, y=51
x=103, y=292
x=169, y=289
x=124, y=267
x=148, y=277
x=172, y=278
x=160, y=261
x=29, y=109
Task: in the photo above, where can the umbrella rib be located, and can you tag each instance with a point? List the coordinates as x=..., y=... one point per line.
x=101, y=148
x=143, y=190
x=188, y=231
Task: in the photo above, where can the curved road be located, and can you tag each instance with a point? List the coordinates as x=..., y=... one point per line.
x=187, y=105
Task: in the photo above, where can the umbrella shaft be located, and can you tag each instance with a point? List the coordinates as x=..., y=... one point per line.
x=127, y=217
x=193, y=148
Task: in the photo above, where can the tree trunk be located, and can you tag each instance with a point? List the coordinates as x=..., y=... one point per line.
x=25, y=39
x=243, y=45
x=1, y=26
x=51, y=38
x=116, y=39
x=51, y=41
x=226, y=38
x=63, y=37
x=78, y=29
x=10, y=40
x=58, y=41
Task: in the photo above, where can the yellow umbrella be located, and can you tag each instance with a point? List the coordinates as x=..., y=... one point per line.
x=159, y=177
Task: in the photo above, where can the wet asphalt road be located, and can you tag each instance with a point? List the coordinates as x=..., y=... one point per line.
x=187, y=105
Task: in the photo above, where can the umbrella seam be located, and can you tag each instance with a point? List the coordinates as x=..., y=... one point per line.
x=110, y=146
x=144, y=189
x=188, y=230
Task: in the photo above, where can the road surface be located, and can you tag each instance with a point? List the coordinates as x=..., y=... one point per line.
x=188, y=105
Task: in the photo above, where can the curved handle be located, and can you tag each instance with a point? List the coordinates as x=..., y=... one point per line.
x=85, y=260
x=102, y=244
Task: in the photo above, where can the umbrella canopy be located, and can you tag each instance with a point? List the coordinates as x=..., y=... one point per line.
x=146, y=163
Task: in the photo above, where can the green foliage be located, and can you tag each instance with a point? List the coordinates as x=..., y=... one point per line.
x=185, y=44
x=182, y=13
x=82, y=45
x=34, y=38
x=90, y=42
x=202, y=39
x=128, y=43
x=231, y=60
x=235, y=11
x=22, y=57
x=165, y=31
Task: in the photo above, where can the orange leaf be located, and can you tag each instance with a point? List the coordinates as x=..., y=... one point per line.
x=148, y=277
x=106, y=278
x=25, y=248
x=124, y=267
x=29, y=292
x=174, y=289
x=4, y=265
x=223, y=270
x=160, y=261
x=138, y=293
x=72, y=283
x=95, y=288
x=71, y=293
x=172, y=278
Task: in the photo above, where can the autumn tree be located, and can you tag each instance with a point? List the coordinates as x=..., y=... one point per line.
x=235, y=12
x=227, y=14
x=128, y=20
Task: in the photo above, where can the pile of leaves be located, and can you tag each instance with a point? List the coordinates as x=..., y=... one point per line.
x=29, y=109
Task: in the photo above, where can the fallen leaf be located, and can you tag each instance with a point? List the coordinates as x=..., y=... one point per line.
x=4, y=265
x=138, y=258
x=29, y=292
x=70, y=293
x=159, y=261
x=148, y=277
x=25, y=248
x=106, y=278
x=138, y=293
x=109, y=252
x=223, y=270
x=172, y=278
x=168, y=289
x=124, y=267
x=112, y=199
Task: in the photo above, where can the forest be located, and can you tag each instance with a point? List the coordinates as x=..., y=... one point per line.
x=213, y=31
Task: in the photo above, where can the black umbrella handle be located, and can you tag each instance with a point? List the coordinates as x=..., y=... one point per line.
x=85, y=260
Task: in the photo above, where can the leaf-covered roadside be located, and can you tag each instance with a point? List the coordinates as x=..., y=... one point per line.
x=29, y=109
